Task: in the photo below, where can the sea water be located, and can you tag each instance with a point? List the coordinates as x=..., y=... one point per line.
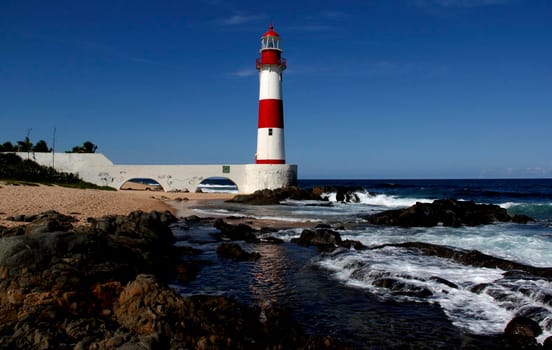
x=338, y=294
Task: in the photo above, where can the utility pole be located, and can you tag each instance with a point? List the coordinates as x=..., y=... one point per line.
x=28, y=141
x=54, y=149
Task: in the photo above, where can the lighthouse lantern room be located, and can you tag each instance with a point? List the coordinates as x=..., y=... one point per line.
x=270, y=132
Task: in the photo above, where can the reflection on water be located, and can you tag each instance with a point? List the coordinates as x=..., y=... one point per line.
x=268, y=285
x=288, y=276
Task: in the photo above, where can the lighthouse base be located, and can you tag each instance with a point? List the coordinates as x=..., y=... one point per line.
x=98, y=169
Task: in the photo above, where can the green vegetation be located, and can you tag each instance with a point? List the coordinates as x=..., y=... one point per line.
x=41, y=146
x=15, y=170
x=87, y=147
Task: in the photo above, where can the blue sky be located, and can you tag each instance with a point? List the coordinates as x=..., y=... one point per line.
x=373, y=89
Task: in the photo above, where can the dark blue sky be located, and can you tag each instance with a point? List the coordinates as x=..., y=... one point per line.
x=373, y=89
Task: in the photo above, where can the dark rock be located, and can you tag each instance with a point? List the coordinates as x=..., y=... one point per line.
x=522, y=219
x=138, y=227
x=348, y=243
x=478, y=288
x=520, y=333
x=324, y=239
x=524, y=327
x=272, y=240
x=444, y=281
x=235, y=252
x=192, y=219
x=344, y=195
x=442, y=212
x=50, y=221
x=547, y=345
x=145, y=307
x=323, y=226
x=240, y=232
x=272, y=197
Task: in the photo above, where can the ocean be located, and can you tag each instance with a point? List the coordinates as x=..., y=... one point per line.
x=338, y=293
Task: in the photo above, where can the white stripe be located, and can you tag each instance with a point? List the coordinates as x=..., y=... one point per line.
x=270, y=83
x=270, y=147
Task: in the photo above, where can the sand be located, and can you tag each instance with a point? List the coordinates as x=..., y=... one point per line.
x=82, y=204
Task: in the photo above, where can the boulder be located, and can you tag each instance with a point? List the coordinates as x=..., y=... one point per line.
x=145, y=307
x=240, y=232
x=234, y=251
x=325, y=240
x=447, y=212
x=273, y=197
x=521, y=333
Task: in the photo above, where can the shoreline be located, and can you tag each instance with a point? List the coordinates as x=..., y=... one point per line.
x=85, y=203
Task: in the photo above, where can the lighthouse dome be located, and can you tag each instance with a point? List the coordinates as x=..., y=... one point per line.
x=271, y=32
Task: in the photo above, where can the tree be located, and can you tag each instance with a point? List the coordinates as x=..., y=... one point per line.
x=7, y=147
x=41, y=146
x=24, y=146
x=87, y=147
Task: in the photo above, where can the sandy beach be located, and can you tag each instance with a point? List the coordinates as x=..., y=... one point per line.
x=82, y=204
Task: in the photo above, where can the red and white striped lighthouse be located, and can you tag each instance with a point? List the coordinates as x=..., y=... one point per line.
x=270, y=133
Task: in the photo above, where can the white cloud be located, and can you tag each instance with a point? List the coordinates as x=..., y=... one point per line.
x=238, y=19
x=244, y=72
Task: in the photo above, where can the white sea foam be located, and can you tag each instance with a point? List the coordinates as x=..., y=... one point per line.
x=381, y=200
x=479, y=313
x=509, y=241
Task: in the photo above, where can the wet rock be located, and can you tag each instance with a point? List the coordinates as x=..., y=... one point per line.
x=346, y=196
x=547, y=345
x=240, y=232
x=348, y=243
x=442, y=212
x=444, y=281
x=272, y=197
x=272, y=240
x=234, y=251
x=324, y=239
x=478, y=288
x=520, y=333
x=522, y=219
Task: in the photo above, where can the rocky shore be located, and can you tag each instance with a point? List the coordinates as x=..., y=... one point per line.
x=104, y=284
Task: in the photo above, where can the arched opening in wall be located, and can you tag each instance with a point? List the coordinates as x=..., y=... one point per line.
x=142, y=184
x=217, y=185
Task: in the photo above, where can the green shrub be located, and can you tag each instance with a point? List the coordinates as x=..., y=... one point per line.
x=13, y=168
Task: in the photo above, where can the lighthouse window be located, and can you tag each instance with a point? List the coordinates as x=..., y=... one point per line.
x=269, y=132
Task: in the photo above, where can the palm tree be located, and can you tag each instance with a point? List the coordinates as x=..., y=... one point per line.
x=24, y=146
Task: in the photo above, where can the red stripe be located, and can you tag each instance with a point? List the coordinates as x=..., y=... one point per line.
x=271, y=114
x=271, y=161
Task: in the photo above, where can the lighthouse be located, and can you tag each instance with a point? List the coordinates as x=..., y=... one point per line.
x=270, y=132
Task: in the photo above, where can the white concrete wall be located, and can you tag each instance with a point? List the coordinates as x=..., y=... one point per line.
x=99, y=170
